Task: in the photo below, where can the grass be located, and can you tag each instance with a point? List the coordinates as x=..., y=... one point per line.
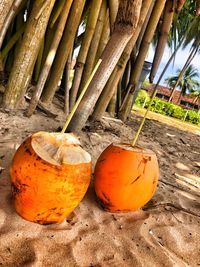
x=168, y=120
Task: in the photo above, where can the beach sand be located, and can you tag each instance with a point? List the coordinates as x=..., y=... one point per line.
x=165, y=233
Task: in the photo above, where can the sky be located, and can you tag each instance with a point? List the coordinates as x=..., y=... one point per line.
x=181, y=57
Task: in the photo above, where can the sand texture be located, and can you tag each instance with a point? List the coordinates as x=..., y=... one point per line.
x=165, y=233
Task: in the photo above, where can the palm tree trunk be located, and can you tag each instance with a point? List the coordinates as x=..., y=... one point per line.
x=52, y=28
x=113, y=8
x=5, y=7
x=198, y=8
x=7, y=13
x=135, y=76
x=38, y=64
x=162, y=41
x=90, y=61
x=142, y=32
x=67, y=83
x=48, y=38
x=187, y=63
x=196, y=99
x=19, y=24
x=119, y=95
x=10, y=57
x=91, y=23
x=106, y=96
x=12, y=12
x=50, y=58
x=24, y=63
x=13, y=40
x=126, y=23
x=126, y=75
x=104, y=37
x=136, y=49
x=179, y=99
x=58, y=9
x=111, y=86
x=180, y=5
x=63, y=50
x=113, y=104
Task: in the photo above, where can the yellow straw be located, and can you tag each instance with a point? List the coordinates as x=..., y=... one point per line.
x=143, y=120
x=80, y=97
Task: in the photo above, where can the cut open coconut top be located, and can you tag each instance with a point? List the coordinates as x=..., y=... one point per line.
x=134, y=148
x=59, y=148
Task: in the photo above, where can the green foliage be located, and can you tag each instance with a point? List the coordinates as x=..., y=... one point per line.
x=143, y=97
x=167, y=108
x=179, y=113
x=193, y=117
x=146, y=84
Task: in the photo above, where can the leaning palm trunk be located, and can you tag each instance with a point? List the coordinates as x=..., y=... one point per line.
x=24, y=63
x=91, y=23
x=187, y=63
x=126, y=22
x=64, y=50
x=90, y=61
x=135, y=76
x=162, y=41
x=120, y=67
x=50, y=58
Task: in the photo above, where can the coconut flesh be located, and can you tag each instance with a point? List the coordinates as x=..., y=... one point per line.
x=59, y=148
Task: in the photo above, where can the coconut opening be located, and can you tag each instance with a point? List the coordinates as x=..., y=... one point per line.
x=134, y=148
x=59, y=148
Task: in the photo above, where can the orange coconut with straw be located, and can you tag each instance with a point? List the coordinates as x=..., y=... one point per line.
x=50, y=173
x=50, y=176
x=126, y=175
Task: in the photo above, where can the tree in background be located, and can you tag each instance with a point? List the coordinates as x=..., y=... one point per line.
x=188, y=83
x=39, y=41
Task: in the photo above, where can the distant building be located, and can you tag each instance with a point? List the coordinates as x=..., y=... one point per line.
x=185, y=101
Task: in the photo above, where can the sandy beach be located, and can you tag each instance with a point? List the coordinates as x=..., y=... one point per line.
x=165, y=233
